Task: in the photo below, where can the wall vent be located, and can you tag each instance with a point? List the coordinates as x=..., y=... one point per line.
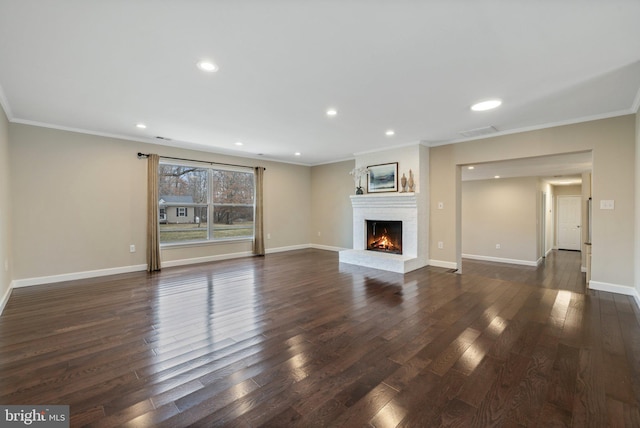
x=479, y=131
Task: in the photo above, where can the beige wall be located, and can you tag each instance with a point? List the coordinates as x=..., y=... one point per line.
x=5, y=211
x=331, y=212
x=501, y=212
x=612, y=142
x=78, y=202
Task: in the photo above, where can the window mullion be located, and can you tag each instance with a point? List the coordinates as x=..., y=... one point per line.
x=210, y=204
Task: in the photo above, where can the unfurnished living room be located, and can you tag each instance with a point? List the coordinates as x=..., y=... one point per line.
x=296, y=214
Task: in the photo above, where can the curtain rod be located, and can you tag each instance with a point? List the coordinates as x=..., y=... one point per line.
x=146, y=155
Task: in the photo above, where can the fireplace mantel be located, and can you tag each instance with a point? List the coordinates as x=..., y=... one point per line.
x=372, y=200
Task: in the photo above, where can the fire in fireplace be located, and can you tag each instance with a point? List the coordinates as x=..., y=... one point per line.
x=384, y=236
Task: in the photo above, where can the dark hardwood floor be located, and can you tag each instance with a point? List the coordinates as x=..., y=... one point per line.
x=296, y=339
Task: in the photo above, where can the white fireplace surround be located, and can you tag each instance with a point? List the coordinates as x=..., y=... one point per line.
x=402, y=207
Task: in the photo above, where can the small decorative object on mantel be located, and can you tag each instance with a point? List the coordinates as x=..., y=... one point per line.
x=411, y=182
x=357, y=178
x=403, y=182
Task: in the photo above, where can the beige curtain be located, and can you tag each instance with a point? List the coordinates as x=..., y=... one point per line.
x=258, y=240
x=153, y=213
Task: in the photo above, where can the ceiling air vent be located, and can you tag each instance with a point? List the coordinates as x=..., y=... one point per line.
x=479, y=131
x=163, y=138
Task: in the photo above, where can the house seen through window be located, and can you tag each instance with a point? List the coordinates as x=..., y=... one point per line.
x=204, y=204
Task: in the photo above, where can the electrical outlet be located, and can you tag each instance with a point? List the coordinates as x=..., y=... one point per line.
x=268, y=236
x=132, y=248
x=440, y=245
x=319, y=233
x=497, y=246
x=440, y=205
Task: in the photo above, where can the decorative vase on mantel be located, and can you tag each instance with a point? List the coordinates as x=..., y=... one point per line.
x=357, y=174
x=403, y=183
x=411, y=182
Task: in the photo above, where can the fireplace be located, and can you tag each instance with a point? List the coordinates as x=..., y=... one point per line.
x=389, y=208
x=384, y=236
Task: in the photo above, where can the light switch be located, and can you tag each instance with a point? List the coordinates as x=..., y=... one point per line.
x=440, y=205
x=607, y=204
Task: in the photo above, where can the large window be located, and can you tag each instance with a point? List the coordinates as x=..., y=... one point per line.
x=204, y=204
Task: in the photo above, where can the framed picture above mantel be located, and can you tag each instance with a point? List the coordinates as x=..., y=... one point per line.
x=383, y=178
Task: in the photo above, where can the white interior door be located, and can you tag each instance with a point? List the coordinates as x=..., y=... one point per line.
x=569, y=222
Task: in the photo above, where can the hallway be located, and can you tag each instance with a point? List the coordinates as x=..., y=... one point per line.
x=560, y=270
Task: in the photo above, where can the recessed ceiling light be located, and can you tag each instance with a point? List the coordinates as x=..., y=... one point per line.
x=239, y=143
x=297, y=153
x=486, y=105
x=332, y=112
x=207, y=66
x=141, y=125
x=390, y=132
x=471, y=167
x=496, y=176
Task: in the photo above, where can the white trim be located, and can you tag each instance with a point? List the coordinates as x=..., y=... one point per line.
x=289, y=248
x=28, y=282
x=326, y=247
x=615, y=288
x=158, y=142
x=386, y=149
x=443, y=264
x=207, y=259
x=5, y=298
x=536, y=127
x=503, y=260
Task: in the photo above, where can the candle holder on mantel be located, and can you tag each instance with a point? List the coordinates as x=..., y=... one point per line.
x=403, y=183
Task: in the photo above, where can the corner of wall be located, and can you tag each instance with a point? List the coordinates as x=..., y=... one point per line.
x=5, y=298
x=637, y=205
x=6, y=246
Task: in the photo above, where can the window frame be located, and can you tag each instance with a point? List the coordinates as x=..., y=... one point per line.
x=209, y=205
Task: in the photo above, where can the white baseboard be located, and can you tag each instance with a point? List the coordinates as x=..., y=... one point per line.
x=502, y=260
x=206, y=259
x=615, y=288
x=5, y=299
x=443, y=264
x=229, y=256
x=28, y=282
x=326, y=247
x=289, y=248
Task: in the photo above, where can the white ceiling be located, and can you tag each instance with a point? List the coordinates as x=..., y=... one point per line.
x=412, y=66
